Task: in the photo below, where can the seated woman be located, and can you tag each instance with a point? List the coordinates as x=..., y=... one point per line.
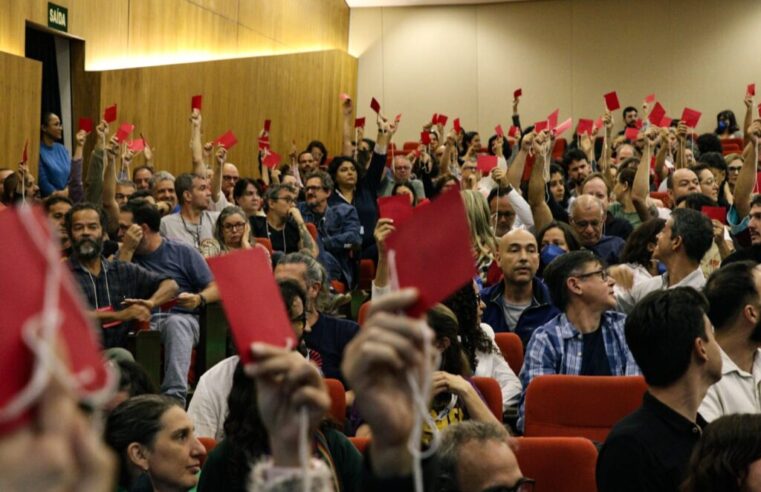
x=405, y=188
x=555, y=239
x=248, y=196
x=726, y=125
x=637, y=262
x=232, y=232
x=156, y=445
x=481, y=234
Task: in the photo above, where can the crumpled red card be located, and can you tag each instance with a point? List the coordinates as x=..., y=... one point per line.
x=85, y=124
x=110, y=114
x=563, y=127
x=22, y=294
x=715, y=213
x=433, y=255
x=540, y=126
x=375, y=105
x=690, y=117
x=124, y=131
x=611, y=101
x=584, y=126
x=425, y=138
x=456, y=124
x=552, y=119
x=443, y=120
x=398, y=118
x=272, y=159
x=485, y=163
x=196, y=102
x=359, y=122
x=656, y=114
x=499, y=131
x=251, y=300
x=631, y=134
x=136, y=145
x=227, y=140
x=396, y=207
x=517, y=93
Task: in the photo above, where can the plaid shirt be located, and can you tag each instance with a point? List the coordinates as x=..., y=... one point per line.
x=557, y=348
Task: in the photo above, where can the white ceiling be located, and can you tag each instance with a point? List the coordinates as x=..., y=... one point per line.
x=414, y=3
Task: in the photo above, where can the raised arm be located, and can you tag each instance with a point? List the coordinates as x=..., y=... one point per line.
x=515, y=171
x=196, y=147
x=748, y=116
x=347, y=111
x=216, y=180
x=536, y=184
x=681, y=138
x=108, y=199
x=607, y=144
x=641, y=186
x=76, y=188
x=747, y=179
x=94, y=189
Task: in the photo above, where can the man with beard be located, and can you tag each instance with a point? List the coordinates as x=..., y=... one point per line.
x=630, y=118
x=306, y=163
x=734, y=295
x=118, y=293
x=577, y=166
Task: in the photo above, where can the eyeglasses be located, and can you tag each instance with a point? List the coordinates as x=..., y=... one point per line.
x=523, y=485
x=313, y=188
x=300, y=320
x=734, y=169
x=230, y=178
x=286, y=199
x=232, y=227
x=603, y=273
x=503, y=215
x=583, y=224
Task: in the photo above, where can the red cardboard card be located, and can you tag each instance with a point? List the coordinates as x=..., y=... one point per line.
x=666, y=122
x=267, y=125
x=124, y=131
x=527, y=168
x=85, y=124
x=715, y=213
x=690, y=117
x=540, y=126
x=136, y=145
x=457, y=127
x=435, y=118
x=513, y=131
x=425, y=138
x=423, y=243
x=751, y=90
x=110, y=114
x=611, y=101
x=584, y=126
x=251, y=301
x=25, y=152
x=196, y=102
x=499, y=131
x=563, y=127
x=359, y=122
x=631, y=134
x=264, y=143
x=650, y=98
x=227, y=140
x=638, y=123
x=656, y=115
x=397, y=208
x=443, y=120
x=517, y=93
x=375, y=105
x=485, y=163
x=552, y=119
x=272, y=159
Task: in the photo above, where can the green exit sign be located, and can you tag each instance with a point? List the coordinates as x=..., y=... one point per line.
x=58, y=17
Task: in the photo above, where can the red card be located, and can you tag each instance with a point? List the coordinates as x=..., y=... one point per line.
x=513, y=131
x=264, y=143
x=228, y=140
x=443, y=119
x=656, y=115
x=272, y=159
x=397, y=208
x=22, y=295
x=690, y=117
x=124, y=131
x=267, y=125
x=638, y=123
x=425, y=138
x=485, y=163
x=499, y=131
x=136, y=145
x=85, y=124
x=457, y=127
x=375, y=105
x=751, y=90
x=552, y=119
x=424, y=243
x=251, y=300
x=563, y=127
x=196, y=102
x=584, y=126
x=398, y=118
x=666, y=122
x=650, y=98
x=359, y=122
x=517, y=93
x=611, y=101
x=344, y=96
x=435, y=118
x=631, y=134
x=527, y=168
x=715, y=213
x=540, y=126
x=598, y=122
x=110, y=114
x=25, y=152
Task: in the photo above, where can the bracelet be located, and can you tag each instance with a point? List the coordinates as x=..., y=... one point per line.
x=203, y=301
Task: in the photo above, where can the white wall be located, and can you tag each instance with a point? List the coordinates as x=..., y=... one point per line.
x=466, y=60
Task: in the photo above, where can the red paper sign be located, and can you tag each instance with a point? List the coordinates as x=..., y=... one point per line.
x=638, y=123
x=264, y=143
x=650, y=98
x=267, y=125
x=485, y=163
x=136, y=145
x=540, y=126
x=690, y=117
x=110, y=114
x=425, y=138
x=656, y=115
x=499, y=131
x=757, y=186
x=513, y=131
x=397, y=208
x=272, y=159
x=375, y=105
x=666, y=122
x=527, y=168
x=196, y=102
x=85, y=124
x=715, y=213
x=611, y=101
x=517, y=93
x=423, y=243
x=751, y=89
x=443, y=119
x=563, y=127
x=585, y=126
x=254, y=308
x=227, y=140
x=552, y=119
x=124, y=131
x=359, y=122
x=457, y=127
x=435, y=118
x=631, y=134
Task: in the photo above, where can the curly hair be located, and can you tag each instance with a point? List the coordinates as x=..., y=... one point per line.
x=464, y=305
x=636, y=247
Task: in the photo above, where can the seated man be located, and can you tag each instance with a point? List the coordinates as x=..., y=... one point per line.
x=162, y=188
x=587, y=338
x=509, y=210
x=588, y=219
x=401, y=172
x=283, y=226
x=673, y=343
x=338, y=227
x=56, y=208
x=596, y=185
x=178, y=324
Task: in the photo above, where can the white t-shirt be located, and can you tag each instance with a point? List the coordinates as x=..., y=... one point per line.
x=208, y=407
x=493, y=365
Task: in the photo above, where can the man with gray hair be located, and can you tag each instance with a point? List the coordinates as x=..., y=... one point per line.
x=162, y=189
x=338, y=227
x=401, y=172
x=475, y=456
x=587, y=219
x=283, y=225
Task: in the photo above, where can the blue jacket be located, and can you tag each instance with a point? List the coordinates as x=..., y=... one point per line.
x=540, y=312
x=55, y=167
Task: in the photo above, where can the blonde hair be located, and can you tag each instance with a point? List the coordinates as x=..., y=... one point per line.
x=481, y=234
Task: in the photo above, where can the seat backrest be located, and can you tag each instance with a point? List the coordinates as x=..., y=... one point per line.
x=312, y=230
x=362, y=314
x=558, y=464
x=512, y=350
x=337, y=400
x=360, y=443
x=265, y=242
x=209, y=443
x=580, y=406
x=492, y=393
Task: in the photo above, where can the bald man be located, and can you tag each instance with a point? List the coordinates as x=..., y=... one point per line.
x=230, y=176
x=521, y=302
x=682, y=183
x=588, y=220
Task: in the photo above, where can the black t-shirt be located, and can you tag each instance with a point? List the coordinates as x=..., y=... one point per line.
x=594, y=360
x=285, y=240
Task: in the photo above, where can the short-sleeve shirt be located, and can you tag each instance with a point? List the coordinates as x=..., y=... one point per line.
x=328, y=337
x=286, y=240
x=174, y=226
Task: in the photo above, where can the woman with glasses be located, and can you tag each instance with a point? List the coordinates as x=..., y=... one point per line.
x=231, y=233
x=734, y=165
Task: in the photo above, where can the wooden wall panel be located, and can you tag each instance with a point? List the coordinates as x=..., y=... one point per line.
x=20, y=94
x=299, y=93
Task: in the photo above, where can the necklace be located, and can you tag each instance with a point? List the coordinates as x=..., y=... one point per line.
x=282, y=231
x=196, y=235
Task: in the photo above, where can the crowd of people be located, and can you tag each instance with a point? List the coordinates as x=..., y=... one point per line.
x=628, y=254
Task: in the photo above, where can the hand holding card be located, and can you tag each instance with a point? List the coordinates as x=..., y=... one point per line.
x=110, y=114
x=611, y=101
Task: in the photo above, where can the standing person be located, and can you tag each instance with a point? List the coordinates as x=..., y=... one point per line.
x=55, y=163
x=194, y=223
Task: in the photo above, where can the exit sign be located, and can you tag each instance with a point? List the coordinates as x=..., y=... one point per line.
x=58, y=17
